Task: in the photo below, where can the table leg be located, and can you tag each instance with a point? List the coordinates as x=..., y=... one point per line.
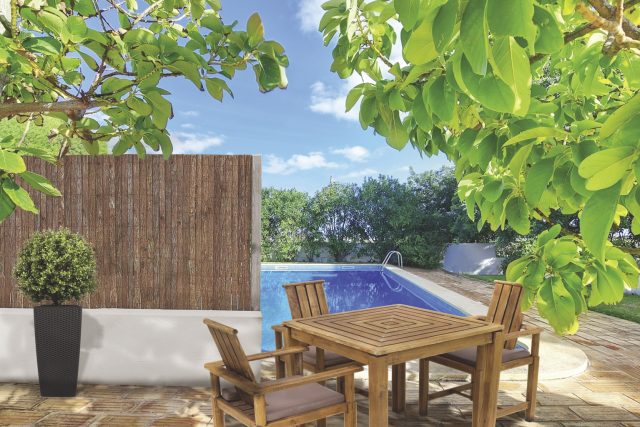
x=485, y=382
x=378, y=393
x=293, y=366
x=399, y=383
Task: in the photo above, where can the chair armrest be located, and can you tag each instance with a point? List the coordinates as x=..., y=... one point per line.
x=526, y=330
x=283, y=352
x=218, y=369
x=279, y=328
x=290, y=382
x=478, y=317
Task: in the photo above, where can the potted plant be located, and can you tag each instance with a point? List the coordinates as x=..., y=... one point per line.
x=56, y=266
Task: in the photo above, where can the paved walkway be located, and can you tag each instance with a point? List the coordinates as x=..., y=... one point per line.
x=608, y=394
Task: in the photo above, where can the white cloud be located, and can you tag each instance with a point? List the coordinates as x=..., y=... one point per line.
x=357, y=175
x=187, y=126
x=297, y=162
x=309, y=14
x=193, y=143
x=355, y=153
x=190, y=113
x=328, y=100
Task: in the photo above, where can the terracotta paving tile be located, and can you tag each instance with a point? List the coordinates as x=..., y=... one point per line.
x=123, y=421
x=112, y=405
x=163, y=407
x=604, y=413
x=556, y=413
x=177, y=422
x=69, y=404
x=60, y=419
x=15, y=417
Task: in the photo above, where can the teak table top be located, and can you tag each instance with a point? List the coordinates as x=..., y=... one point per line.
x=390, y=329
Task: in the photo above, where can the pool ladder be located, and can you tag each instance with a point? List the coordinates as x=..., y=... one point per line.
x=388, y=258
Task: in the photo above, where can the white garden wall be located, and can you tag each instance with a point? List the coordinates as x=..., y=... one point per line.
x=472, y=258
x=128, y=346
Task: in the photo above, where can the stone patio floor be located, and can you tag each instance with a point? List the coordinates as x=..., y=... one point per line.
x=607, y=394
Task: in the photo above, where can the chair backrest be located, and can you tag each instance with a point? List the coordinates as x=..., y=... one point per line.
x=307, y=299
x=232, y=353
x=505, y=308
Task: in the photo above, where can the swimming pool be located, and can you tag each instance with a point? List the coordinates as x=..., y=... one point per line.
x=348, y=287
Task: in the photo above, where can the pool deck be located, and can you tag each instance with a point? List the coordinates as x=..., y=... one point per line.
x=607, y=394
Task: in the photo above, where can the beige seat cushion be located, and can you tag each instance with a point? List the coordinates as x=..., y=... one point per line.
x=468, y=356
x=330, y=359
x=293, y=401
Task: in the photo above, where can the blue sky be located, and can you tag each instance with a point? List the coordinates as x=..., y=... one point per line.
x=302, y=133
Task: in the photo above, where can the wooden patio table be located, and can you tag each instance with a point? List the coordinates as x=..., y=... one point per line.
x=392, y=335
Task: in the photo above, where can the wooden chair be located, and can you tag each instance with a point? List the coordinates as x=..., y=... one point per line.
x=308, y=299
x=287, y=401
x=504, y=309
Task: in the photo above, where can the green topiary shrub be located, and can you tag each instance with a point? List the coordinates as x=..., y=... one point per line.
x=56, y=266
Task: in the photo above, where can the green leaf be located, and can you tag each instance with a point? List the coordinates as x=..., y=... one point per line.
x=536, y=133
x=442, y=99
x=354, y=95
x=550, y=38
x=473, y=36
x=44, y=45
x=165, y=145
x=139, y=106
x=548, y=235
x=492, y=190
x=626, y=112
x=420, y=114
x=18, y=196
x=490, y=91
x=444, y=24
x=255, y=29
x=11, y=162
x=40, y=183
x=511, y=18
x=52, y=19
x=85, y=7
x=197, y=8
x=77, y=28
x=408, y=12
x=607, y=287
x=597, y=218
x=420, y=47
x=512, y=66
x=6, y=206
x=216, y=87
x=606, y=167
x=162, y=109
x=537, y=180
x=556, y=304
x=518, y=215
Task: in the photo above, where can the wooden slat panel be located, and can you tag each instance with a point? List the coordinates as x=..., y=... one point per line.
x=170, y=234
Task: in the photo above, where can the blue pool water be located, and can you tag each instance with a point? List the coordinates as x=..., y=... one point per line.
x=347, y=288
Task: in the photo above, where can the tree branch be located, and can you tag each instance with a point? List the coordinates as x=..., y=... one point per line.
x=146, y=12
x=7, y=110
x=581, y=31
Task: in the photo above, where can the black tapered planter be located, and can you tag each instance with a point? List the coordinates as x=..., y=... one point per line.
x=57, y=330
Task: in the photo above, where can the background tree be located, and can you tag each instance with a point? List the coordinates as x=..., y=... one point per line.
x=72, y=59
x=383, y=203
x=282, y=223
x=535, y=102
x=332, y=220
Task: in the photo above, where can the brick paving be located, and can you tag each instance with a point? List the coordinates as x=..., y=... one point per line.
x=607, y=394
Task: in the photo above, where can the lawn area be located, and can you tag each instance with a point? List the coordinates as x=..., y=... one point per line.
x=485, y=277
x=628, y=308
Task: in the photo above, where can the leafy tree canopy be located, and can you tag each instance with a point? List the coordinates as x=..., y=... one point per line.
x=536, y=103
x=71, y=59
x=282, y=223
